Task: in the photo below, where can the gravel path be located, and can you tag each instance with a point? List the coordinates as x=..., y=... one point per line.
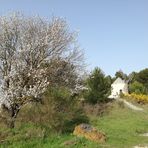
x=130, y=105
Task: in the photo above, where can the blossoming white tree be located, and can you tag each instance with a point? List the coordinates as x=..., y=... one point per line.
x=26, y=45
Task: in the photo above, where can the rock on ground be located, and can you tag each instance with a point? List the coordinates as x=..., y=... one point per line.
x=89, y=132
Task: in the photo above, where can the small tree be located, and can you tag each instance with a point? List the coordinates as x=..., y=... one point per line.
x=27, y=44
x=98, y=87
x=121, y=75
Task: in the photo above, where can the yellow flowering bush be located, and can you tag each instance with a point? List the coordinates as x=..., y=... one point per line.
x=140, y=98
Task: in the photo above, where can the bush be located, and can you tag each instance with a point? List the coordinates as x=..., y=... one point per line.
x=98, y=87
x=137, y=88
x=59, y=111
x=139, y=98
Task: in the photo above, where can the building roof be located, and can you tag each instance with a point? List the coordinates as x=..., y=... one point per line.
x=119, y=81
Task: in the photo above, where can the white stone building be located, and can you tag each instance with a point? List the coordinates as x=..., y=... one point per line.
x=117, y=87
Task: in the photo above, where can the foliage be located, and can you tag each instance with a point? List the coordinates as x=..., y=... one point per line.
x=59, y=111
x=62, y=73
x=98, y=87
x=139, y=82
x=140, y=98
x=137, y=87
x=142, y=77
x=27, y=44
x=122, y=127
x=121, y=74
x=132, y=77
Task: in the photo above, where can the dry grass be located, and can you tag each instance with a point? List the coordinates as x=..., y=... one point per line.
x=97, y=109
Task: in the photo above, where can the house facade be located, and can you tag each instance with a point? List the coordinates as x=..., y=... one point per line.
x=117, y=87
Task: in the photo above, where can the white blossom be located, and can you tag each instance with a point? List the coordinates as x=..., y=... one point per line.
x=26, y=45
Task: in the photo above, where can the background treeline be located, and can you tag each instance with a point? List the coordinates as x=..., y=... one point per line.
x=138, y=81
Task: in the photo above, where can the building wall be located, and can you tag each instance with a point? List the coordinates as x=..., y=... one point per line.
x=115, y=92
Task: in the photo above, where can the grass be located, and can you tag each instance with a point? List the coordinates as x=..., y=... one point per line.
x=121, y=125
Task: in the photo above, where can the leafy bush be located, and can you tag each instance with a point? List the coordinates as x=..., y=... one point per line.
x=59, y=111
x=137, y=87
x=98, y=87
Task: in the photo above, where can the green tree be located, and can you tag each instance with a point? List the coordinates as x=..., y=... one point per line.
x=121, y=75
x=142, y=77
x=132, y=77
x=98, y=87
x=137, y=87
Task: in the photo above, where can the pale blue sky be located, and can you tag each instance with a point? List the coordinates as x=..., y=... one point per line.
x=113, y=33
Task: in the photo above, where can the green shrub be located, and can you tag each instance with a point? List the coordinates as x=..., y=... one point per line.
x=59, y=111
x=137, y=87
x=98, y=87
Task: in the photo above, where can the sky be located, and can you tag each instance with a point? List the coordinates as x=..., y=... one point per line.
x=112, y=33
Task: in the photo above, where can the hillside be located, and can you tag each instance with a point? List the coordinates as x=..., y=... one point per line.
x=121, y=125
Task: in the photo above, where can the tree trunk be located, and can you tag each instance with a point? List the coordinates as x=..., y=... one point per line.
x=11, y=123
x=13, y=114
